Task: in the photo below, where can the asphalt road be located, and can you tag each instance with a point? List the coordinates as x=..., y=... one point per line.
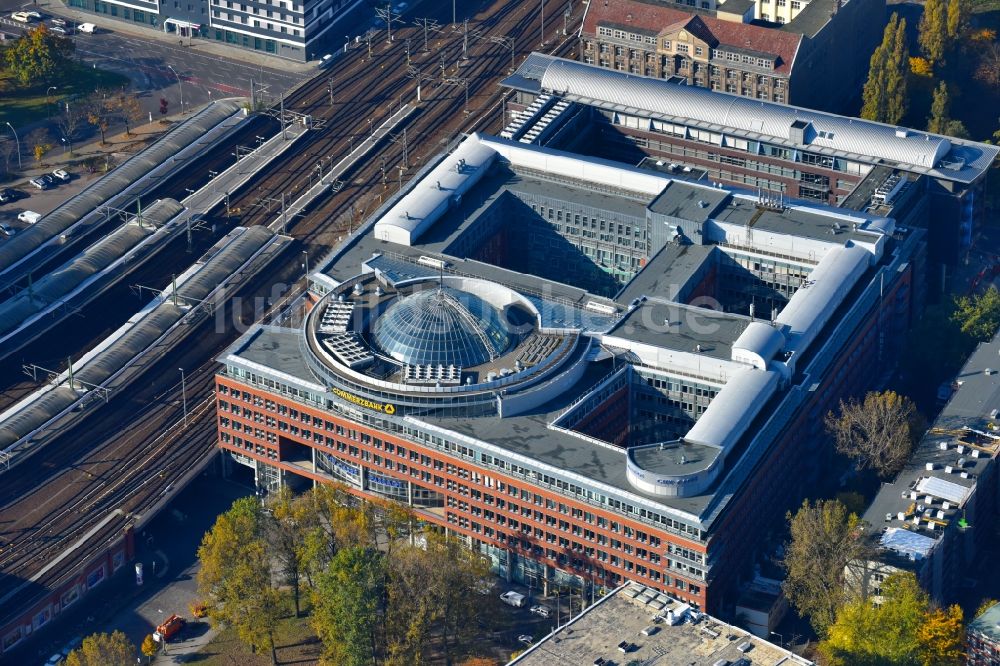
x=147, y=56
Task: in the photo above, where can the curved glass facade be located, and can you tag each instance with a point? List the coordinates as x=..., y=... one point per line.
x=442, y=326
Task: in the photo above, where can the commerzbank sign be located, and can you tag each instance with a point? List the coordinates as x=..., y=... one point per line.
x=384, y=407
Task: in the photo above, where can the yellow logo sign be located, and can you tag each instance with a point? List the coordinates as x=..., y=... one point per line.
x=384, y=407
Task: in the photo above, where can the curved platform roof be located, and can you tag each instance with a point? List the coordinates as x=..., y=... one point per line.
x=56, y=285
x=114, y=183
x=47, y=404
x=721, y=112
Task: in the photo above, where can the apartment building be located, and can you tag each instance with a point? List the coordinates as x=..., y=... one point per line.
x=817, y=61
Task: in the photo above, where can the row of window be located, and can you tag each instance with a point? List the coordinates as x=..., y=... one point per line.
x=436, y=441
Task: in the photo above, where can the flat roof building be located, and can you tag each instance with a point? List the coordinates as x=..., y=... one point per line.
x=588, y=371
x=918, y=178
x=637, y=624
x=936, y=514
x=294, y=29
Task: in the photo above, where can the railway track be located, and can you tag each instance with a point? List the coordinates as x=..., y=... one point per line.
x=98, y=473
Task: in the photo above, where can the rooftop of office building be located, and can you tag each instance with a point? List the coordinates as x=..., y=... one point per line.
x=824, y=134
x=910, y=514
x=635, y=624
x=417, y=311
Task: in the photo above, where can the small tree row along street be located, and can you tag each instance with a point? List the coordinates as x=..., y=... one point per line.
x=376, y=598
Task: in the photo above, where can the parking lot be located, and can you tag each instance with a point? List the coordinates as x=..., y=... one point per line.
x=29, y=198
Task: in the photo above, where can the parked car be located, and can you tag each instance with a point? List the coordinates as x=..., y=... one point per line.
x=526, y=639
x=62, y=175
x=7, y=230
x=58, y=28
x=58, y=21
x=325, y=61
x=7, y=195
x=538, y=609
x=29, y=216
x=35, y=16
x=55, y=660
x=88, y=28
x=21, y=17
x=49, y=179
x=40, y=183
x=512, y=598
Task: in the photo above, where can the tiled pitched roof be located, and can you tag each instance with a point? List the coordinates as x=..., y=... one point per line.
x=653, y=16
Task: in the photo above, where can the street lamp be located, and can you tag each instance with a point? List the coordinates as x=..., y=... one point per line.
x=184, y=399
x=50, y=89
x=19, y=145
x=180, y=86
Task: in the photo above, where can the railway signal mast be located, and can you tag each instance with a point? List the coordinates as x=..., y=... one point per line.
x=429, y=26
x=388, y=16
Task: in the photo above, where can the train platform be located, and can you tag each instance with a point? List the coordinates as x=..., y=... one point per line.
x=56, y=231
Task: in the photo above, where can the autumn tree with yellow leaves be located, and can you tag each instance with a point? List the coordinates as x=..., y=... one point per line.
x=903, y=629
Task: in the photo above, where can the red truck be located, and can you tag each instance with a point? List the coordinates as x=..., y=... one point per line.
x=170, y=628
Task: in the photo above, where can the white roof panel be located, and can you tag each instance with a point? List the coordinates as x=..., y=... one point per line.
x=721, y=112
x=907, y=543
x=429, y=198
x=947, y=490
x=734, y=407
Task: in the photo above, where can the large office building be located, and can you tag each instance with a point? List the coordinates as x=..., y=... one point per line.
x=588, y=371
x=284, y=28
x=812, y=53
x=917, y=178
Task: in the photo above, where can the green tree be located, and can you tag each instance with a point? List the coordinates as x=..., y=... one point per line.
x=38, y=56
x=349, y=607
x=824, y=538
x=149, y=647
x=235, y=573
x=103, y=650
x=897, y=69
x=957, y=19
x=978, y=316
x=940, y=107
x=873, y=93
x=877, y=432
x=933, y=32
x=885, y=92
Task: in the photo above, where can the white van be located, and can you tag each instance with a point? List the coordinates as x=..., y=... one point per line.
x=512, y=598
x=29, y=216
x=21, y=17
x=88, y=28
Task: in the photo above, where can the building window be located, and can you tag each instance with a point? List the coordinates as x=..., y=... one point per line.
x=666, y=44
x=796, y=4
x=682, y=48
x=699, y=51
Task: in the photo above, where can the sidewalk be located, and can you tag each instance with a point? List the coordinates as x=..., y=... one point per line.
x=116, y=144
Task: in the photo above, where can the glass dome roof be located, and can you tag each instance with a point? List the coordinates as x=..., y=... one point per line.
x=442, y=326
